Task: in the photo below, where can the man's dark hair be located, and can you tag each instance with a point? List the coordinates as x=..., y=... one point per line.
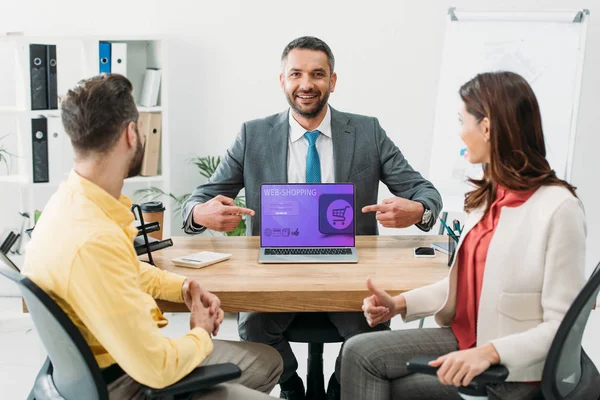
x=310, y=43
x=95, y=112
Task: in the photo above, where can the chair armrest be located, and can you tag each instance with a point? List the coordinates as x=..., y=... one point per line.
x=494, y=374
x=201, y=378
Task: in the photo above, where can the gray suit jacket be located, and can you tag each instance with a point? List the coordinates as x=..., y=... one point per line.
x=363, y=155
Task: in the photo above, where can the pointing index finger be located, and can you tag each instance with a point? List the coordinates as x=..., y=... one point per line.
x=234, y=210
x=371, y=208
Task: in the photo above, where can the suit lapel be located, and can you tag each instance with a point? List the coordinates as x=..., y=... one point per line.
x=343, y=136
x=277, y=145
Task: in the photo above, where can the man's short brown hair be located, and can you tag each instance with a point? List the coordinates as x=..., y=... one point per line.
x=95, y=112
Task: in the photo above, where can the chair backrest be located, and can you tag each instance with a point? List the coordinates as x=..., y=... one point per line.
x=75, y=373
x=568, y=370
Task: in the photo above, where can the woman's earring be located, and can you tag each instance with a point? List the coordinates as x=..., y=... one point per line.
x=485, y=139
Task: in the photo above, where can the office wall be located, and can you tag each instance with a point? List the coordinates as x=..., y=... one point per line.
x=224, y=66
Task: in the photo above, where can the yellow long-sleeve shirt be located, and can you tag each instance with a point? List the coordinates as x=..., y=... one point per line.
x=82, y=255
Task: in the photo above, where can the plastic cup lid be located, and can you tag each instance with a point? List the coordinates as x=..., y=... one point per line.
x=152, y=206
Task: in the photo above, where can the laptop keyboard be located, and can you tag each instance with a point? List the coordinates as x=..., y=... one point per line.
x=334, y=251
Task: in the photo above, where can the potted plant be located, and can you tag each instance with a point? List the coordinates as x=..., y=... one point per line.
x=206, y=167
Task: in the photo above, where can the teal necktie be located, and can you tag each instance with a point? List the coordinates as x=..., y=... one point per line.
x=313, y=164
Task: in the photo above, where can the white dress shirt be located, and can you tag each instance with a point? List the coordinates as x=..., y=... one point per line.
x=298, y=149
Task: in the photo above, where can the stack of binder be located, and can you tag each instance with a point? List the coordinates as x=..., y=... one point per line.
x=39, y=150
x=51, y=150
x=150, y=127
x=112, y=58
x=43, y=72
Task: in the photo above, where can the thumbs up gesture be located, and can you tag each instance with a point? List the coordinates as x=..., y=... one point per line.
x=380, y=306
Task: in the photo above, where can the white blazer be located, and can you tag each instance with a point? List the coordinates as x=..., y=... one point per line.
x=534, y=269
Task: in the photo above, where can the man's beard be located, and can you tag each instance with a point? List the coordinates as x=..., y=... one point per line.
x=136, y=163
x=307, y=114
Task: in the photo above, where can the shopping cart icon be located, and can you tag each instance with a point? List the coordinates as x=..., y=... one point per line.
x=336, y=214
x=339, y=215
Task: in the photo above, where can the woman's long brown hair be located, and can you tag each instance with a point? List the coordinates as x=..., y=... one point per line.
x=518, y=152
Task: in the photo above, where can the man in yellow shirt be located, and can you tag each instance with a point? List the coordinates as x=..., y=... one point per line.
x=82, y=255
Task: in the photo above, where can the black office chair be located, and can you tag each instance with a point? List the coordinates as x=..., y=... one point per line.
x=71, y=372
x=568, y=372
x=314, y=328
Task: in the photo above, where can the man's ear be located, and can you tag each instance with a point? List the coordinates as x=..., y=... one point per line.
x=131, y=135
x=332, y=82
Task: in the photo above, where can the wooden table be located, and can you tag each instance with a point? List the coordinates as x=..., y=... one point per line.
x=243, y=284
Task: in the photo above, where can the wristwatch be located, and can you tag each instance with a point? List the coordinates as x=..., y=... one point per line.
x=426, y=218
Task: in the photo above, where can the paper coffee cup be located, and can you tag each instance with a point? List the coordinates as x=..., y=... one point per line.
x=154, y=211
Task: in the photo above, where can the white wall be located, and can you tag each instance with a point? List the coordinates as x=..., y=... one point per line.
x=224, y=66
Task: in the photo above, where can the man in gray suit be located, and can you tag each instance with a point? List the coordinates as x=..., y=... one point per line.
x=311, y=142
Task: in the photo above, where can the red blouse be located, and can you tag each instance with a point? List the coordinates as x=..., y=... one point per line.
x=471, y=264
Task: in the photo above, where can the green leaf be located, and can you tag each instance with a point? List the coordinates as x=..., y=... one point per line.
x=206, y=165
x=240, y=201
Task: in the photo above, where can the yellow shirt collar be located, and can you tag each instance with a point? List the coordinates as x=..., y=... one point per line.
x=118, y=211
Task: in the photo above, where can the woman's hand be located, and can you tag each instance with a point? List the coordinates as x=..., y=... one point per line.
x=380, y=307
x=460, y=367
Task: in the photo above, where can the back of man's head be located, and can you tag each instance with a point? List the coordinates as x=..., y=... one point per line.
x=96, y=112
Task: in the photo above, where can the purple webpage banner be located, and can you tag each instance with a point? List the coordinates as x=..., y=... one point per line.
x=311, y=215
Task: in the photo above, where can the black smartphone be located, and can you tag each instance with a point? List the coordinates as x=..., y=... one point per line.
x=424, y=252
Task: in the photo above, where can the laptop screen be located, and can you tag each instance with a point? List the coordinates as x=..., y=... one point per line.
x=307, y=215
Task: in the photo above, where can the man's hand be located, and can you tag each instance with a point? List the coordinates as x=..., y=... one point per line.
x=201, y=317
x=460, y=367
x=213, y=303
x=219, y=214
x=189, y=290
x=380, y=307
x=192, y=292
x=397, y=212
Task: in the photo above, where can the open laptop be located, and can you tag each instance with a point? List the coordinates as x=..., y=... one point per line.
x=307, y=223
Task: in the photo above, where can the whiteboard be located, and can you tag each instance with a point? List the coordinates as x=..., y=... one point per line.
x=546, y=48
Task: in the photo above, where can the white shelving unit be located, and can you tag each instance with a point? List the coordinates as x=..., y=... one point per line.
x=77, y=59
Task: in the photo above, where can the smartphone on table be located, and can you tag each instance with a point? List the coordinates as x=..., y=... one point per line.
x=424, y=251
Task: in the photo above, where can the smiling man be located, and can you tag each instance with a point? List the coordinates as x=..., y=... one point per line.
x=311, y=143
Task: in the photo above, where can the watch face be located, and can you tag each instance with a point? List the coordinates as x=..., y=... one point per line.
x=426, y=216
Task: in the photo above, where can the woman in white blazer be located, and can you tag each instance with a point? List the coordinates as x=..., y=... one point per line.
x=518, y=266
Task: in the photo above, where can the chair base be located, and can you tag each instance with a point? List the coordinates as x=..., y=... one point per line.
x=315, y=384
